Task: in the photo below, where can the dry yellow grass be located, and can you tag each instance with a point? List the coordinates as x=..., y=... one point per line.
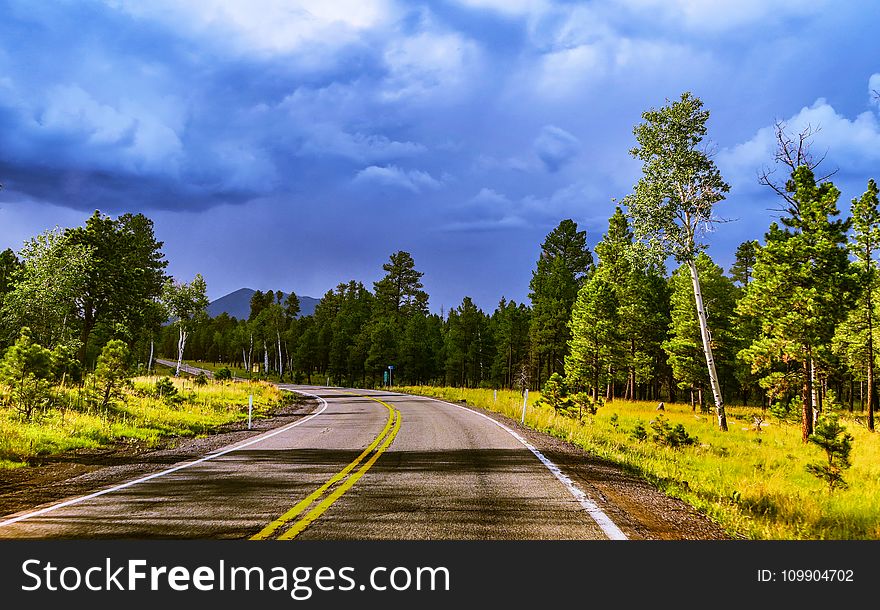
x=754, y=484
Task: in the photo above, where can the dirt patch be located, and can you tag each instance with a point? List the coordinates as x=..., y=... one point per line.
x=637, y=507
x=82, y=472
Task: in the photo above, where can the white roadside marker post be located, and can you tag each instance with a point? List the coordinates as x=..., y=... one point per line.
x=250, y=408
x=495, y=396
x=525, y=400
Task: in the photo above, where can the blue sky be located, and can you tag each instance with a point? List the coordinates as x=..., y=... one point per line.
x=295, y=145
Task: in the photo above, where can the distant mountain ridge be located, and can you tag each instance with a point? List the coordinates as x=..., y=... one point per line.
x=238, y=304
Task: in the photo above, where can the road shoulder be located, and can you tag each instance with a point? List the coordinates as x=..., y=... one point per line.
x=80, y=473
x=637, y=507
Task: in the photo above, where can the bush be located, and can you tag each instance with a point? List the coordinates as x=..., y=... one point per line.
x=670, y=436
x=638, y=432
x=112, y=370
x=201, y=379
x=585, y=403
x=165, y=388
x=26, y=368
x=837, y=443
x=223, y=374
x=555, y=393
x=787, y=411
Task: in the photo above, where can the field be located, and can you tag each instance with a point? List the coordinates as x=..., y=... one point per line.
x=140, y=417
x=755, y=484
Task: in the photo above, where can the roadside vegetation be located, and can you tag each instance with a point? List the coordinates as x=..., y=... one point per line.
x=146, y=412
x=753, y=479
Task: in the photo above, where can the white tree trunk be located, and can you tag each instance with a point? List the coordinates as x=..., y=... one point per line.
x=280, y=361
x=265, y=359
x=181, y=343
x=251, y=356
x=150, y=361
x=707, y=347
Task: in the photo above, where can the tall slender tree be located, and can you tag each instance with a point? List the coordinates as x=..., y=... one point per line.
x=559, y=273
x=595, y=333
x=684, y=345
x=864, y=244
x=672, y=204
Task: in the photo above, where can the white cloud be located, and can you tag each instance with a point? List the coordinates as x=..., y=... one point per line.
x=556, y=147
x=507, y=7
x=439, y=65
x=414, y=181
x=490, y=197
x=266, y=26
x=330, y=122
x=508, y=222
x=569, y=71
x=330, y=139
x=129, y=134
x=853, y=144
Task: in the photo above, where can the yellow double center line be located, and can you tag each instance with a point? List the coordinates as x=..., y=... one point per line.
x=343, y=480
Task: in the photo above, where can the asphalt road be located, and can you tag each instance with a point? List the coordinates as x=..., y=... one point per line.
x=369, y=466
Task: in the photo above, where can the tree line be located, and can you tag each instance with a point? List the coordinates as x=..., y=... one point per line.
x=645, y=315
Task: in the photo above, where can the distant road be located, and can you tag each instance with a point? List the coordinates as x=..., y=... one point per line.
x=183, y=367
x=364, y=465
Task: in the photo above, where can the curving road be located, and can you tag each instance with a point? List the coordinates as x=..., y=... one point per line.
x=365, y=465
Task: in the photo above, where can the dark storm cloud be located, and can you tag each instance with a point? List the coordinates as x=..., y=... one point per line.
x=325, y=135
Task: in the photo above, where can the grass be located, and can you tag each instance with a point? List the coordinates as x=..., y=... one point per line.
x=214, y=366
x=754, y=484
x=138, y=417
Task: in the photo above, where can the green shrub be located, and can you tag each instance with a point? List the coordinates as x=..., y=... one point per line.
x=555, y=393
x=27, y=368
x=223, y=374
x=201, y=379
x=670, y=436
x=165, y=388
x=638, y=432
x=837, y=443
x=112, y=370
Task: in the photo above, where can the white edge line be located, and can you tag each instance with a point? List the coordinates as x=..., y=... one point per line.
x=162, y=473
x=602, y=520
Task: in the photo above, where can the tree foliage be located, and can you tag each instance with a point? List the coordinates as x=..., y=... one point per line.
x=561, y=270
x=800, y=292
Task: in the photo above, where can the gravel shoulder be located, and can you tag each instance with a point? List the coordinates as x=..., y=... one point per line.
x=83, y=472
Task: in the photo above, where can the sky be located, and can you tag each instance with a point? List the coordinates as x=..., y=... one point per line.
x=295, y=145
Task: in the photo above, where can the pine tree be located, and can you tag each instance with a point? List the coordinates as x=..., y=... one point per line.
x=26, y=368
x=744, y=262
x=837, y=444
x=595, y=334
x=126, y=269
x=510, y=329
x=559, y=273
x=863, y=245
x=112, y=370
x=801, y=288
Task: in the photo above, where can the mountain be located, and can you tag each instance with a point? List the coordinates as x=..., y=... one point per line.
x=238, y=304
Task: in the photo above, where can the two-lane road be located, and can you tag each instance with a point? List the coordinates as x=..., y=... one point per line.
x=365, y=465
